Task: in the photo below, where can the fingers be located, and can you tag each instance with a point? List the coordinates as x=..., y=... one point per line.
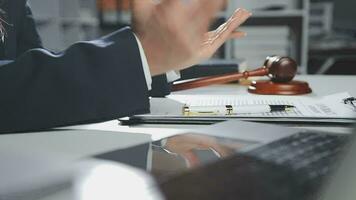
x=191, y=159
x=237, y=35
x=228, y=29
x=236, y=20
x=240, y=16
x=222, y=151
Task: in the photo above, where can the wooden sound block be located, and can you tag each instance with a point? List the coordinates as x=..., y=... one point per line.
x=271, y=88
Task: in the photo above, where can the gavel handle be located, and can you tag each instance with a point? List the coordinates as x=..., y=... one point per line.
x=219, y=79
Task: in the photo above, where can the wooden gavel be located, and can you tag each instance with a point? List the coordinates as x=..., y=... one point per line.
x=278, y=69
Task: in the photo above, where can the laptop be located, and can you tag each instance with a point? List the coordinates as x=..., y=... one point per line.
x=231, y=160
x=242, y=160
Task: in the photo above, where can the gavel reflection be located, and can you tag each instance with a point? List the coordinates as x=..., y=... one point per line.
x=281, y=71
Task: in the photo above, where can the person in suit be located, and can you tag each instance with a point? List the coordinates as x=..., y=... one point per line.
x=103, y=79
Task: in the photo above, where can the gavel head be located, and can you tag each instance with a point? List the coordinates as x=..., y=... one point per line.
x=281, y=69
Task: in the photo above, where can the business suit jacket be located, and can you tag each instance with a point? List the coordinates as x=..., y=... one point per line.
x=89, y=82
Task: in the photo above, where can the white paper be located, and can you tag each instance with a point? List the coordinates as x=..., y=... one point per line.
x=327, y=107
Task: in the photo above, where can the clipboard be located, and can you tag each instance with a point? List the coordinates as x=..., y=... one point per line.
x=338, y=109
x=162, y=120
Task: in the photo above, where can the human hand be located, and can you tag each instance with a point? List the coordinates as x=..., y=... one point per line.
x=174, y=34
x=184, y=145
x=213, y=40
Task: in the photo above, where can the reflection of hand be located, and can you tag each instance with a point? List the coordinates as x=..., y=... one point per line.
x=184, y=145
x=173, y=32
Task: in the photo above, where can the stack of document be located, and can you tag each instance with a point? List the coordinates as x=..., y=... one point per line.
x=330, y=108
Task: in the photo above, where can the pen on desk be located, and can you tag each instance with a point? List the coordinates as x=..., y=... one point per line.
x=233, y=110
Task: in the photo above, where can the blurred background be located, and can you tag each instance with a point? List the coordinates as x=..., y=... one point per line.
x=319, y=34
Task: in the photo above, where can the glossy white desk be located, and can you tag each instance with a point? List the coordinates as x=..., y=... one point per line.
x=83, y=143
x=71, y=145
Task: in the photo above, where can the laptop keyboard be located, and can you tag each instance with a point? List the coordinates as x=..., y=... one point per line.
x=311, y=154
x=292, y=168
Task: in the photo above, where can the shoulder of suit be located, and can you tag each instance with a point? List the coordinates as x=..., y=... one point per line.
x=14, y=5
x=16, y=2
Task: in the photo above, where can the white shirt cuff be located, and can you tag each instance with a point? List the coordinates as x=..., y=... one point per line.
x=173, y=76
x=146, y=69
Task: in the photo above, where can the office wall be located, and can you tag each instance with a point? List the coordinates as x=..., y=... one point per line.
x=344, y=13
x=63, y=22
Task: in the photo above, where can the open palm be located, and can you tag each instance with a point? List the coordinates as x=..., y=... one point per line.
x=174, y=33
x=213, y=40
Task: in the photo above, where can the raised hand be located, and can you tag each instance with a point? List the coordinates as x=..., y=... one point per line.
x=172, y=31
x=215, y=39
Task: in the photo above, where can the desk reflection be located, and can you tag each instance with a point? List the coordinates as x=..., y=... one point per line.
x=177, y=154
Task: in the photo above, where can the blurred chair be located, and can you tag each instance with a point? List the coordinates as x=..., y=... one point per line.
x=325, y=43
x=321, y=19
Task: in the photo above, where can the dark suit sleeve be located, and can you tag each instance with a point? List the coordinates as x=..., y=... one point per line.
x=27, y=35
x=160, y=86
x=89, y=82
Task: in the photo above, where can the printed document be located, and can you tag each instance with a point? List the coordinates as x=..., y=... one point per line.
x=327, y=107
